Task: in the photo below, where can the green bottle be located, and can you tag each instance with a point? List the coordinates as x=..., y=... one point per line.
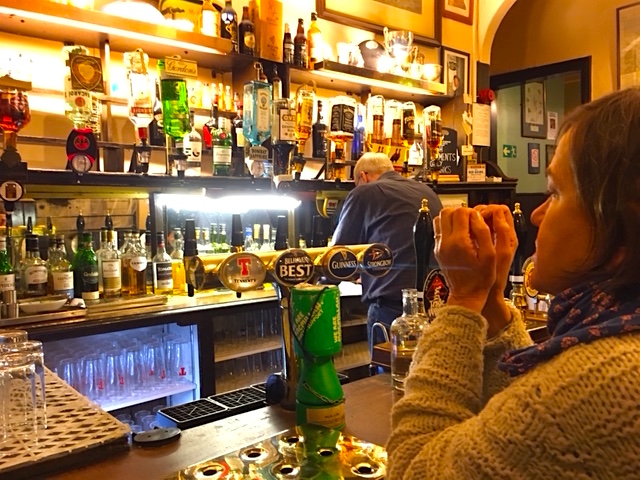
x=175, y=104
x=85, y=271
x=7, y=275
x=222, y=148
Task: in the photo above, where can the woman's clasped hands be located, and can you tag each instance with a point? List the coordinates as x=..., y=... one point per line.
x=475, y=248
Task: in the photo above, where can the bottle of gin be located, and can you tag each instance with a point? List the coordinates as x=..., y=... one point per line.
x=33, y=270
x=162, y=269
x=7, y=274
x=60, y=280
x=405, y=333
x=192, y=147
x=136, y=266
x=222, y=149
x=111, y=264
x=85, y=270
x=257, y=109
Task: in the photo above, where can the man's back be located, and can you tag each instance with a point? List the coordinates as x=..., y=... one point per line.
x=385, y=211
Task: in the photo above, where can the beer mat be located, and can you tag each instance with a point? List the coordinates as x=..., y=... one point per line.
x=109, y=305
x=78, y=433
x=299, y=453
x=63, y=313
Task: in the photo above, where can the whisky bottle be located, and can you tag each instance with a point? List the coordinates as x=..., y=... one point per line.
x=246, y=34
x=229, y=25
x=136, y=266
x=111, y=264
x=103, y=244
x=60, y=278
x=305, y=98
x=149, y=268
x=124, y=252
x=85, y=271
x=319, y=135
x=177, y=264
x=288, y=48
x=162, y=267
x=33, y=270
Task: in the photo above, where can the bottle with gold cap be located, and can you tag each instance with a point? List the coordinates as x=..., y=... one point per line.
x=516, y=277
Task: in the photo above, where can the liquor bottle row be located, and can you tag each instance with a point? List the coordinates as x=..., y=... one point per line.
x=108, y=272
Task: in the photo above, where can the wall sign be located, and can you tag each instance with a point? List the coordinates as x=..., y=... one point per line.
x=534, y=158
x=534, y=114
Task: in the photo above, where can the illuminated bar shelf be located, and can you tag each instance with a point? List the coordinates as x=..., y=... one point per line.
x=234, y=350
x=147, y=396
x=347, y=78
x=54, y=21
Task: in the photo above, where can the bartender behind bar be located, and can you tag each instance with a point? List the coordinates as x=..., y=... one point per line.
x=383, y=209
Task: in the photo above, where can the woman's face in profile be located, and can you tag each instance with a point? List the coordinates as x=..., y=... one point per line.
x=564, y=238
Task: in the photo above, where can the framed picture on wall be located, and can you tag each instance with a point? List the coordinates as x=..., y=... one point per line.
x=550, y=151
x=534, y=158
x=534, y=114
x=456, y=72
x=422, y=17
x=460, y=10
x=628, y=31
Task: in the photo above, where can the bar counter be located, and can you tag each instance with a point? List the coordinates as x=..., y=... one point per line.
x=368, y=406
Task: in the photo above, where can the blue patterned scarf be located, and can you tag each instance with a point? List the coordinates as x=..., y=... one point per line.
x=577, y=315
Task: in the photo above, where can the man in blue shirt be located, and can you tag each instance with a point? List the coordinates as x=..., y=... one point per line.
x=383, y=209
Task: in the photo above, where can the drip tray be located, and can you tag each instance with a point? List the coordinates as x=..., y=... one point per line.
x=239, y=401
x=213, y=408
x=297, y=454
x=191, y=414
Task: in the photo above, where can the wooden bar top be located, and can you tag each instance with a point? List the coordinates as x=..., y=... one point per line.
x=368, y=407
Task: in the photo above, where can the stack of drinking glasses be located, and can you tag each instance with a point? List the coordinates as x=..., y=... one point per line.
x=23, y=410
x=141, y=420
x=110, y=369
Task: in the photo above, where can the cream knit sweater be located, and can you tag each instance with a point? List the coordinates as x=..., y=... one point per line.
x=577, y=416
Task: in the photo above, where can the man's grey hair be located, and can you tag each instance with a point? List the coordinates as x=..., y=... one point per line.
x=375, y=163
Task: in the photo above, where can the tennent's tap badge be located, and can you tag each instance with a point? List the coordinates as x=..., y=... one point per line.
x=242, y=272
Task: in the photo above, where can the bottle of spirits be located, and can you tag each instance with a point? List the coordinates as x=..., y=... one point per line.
x=60, y=278
x=300, y=56
x=85, y=271
x=237, y=140
x=314, y=40
x=136, y=266
x=177, y=264
x=175, y=104
x=287, y=46
x=149, y=268
x=210, y=19
x=305, y=98
x=283, y=128
x=222, y=149
x=246, y=34
x=319, y=137
x=156, y=132
x=257, y=109
x=141, y=90
x=7, y=274
x=103, y=245
x=78, y=101
x=111, y=264
x=405, y=333
x=33, y=270
x=408, y=122
x=358, y=144
x=162, y=266
x=210, y=127
x=125, y=250
x=192, y=148
x=229, y=25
